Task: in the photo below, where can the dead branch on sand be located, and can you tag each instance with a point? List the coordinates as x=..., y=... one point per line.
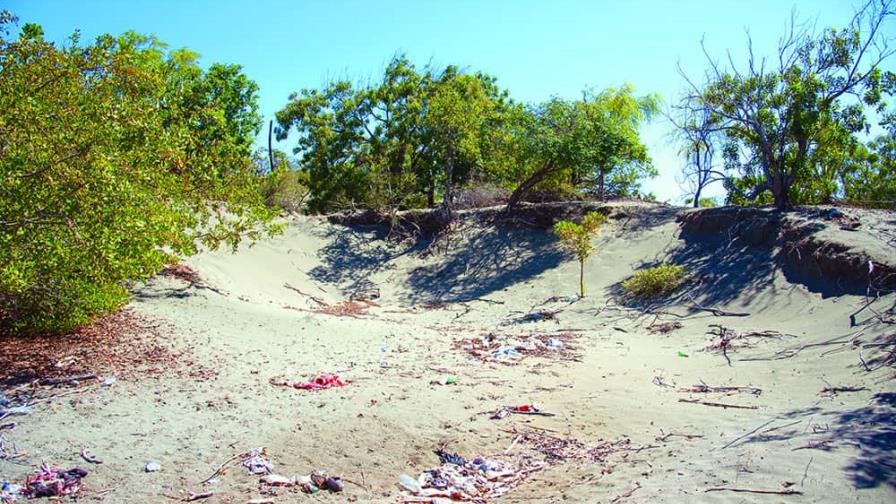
x=837, y=390
x=309, y=296
x=627, y=493
x=786, y=491
x=703, y=388
x=717, y=405
x=665, y=437
x=224, y=466
x=194, y=496
x=715, y=311
x=664, y=327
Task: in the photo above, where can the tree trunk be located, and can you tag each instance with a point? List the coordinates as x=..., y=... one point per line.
x=527, y=185
x=431, y=195
x=581, y=279
x=270, y=145
x=697, y=197
x=600, y=186
x=780, y=191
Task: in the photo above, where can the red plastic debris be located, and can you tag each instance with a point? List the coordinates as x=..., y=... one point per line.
x=321, y=382
x=52, y=481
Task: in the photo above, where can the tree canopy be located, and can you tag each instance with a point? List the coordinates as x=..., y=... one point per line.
x=792, y=130
x=417, y=136
x=117, y=157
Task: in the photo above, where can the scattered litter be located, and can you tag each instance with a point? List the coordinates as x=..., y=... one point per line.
x=507, y=352
x=277, y=480
x=333, y=484
x=152, y=467
x=511, y=349
x=4, y=401
x=446, y=380
x=323, y=381
x=17, y=410
x=313, y=483
x=478, y=480
x=537, y=316
x=523, y=409
x=682, y=354
x=109, y=381
x=53, y=481
x=449, y=458
x=9, y=492
x=256, y=462
x=410, y=484
x=555, y=344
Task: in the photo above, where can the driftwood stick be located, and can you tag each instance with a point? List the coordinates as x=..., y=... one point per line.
x=787, y=491
x=718, y=405
x=749, y=433
x=715, y=311
x=627, y=493
x=197, y=496
x=220, y=470
x=313, y=298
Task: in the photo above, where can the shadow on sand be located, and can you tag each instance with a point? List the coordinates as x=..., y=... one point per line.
x=490, y=260
x=870, y=429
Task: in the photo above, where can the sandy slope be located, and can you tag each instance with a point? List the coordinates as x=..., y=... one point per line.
x=251, y=327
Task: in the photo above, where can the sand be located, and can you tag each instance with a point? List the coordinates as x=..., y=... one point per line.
x=259, y=317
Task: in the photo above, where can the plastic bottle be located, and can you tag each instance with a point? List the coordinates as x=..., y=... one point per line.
x=409, y=483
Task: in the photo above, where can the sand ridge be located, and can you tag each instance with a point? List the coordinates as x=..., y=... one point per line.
x=263, y=318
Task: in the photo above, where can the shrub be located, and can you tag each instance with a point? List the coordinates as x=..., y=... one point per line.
x=114, y=157
x=285, y=190
x=657, y=281
x=577, y=239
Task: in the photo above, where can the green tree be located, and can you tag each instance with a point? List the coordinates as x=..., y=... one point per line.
x=117, y=157
x=791, y=127
x=593, y=144
x=577, y=239
x=402, y=142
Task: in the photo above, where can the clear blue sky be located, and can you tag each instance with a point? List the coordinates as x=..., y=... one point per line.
x=535, y=49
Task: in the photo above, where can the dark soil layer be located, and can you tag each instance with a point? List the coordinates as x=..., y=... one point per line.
x=796, y=236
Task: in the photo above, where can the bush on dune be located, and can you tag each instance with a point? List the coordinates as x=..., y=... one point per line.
x=655, y=282
x=117, y=156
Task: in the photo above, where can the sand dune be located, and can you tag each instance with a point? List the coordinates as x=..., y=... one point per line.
x=267, y=311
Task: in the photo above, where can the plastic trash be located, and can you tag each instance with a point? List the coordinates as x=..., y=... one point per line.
x=682, y=354
x=52, y=481
x=18, y=410
x=571, y=299
x=109, y=381
x=151, y=467
x=450, y=458
x=9, y=492
x=450, y=380
x=334, y=484
x=321, y=382
x=277, y=480
x=4, y=401
x=410, y=484
x=257, y=463
x=506, y=352
x=555, y=344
